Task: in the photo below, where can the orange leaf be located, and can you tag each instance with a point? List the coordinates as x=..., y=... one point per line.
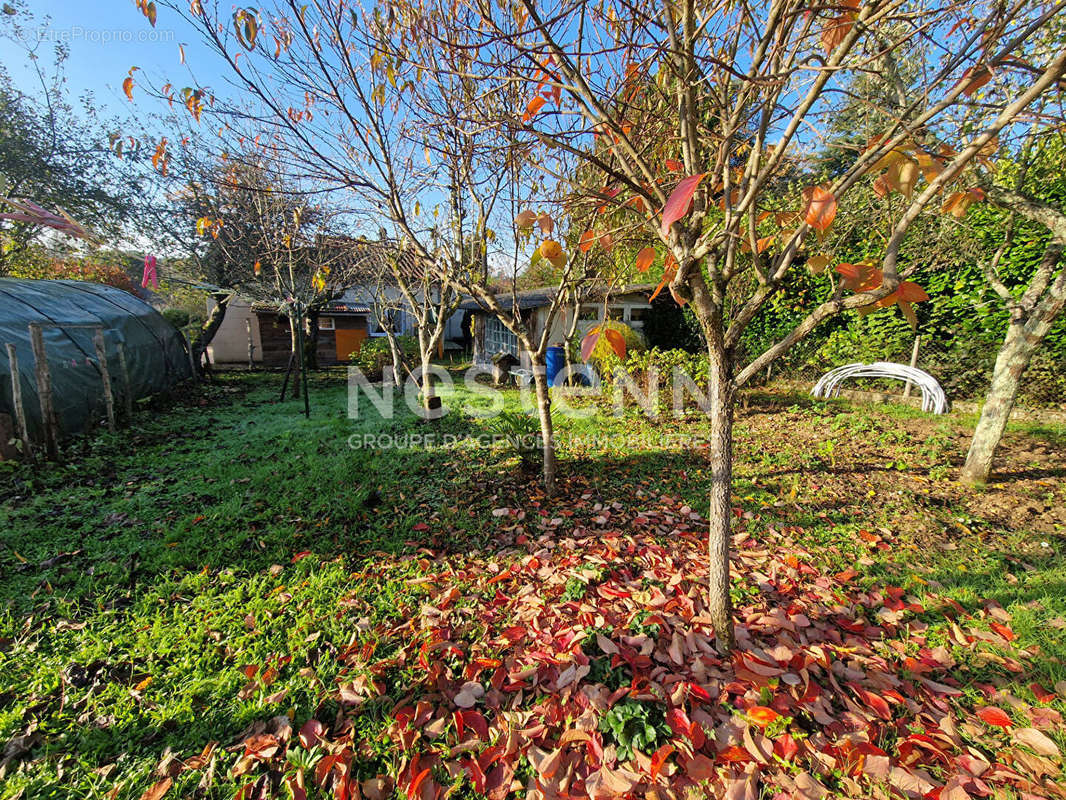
x=674, y=166
x=550, y=249
x=1042, y=694
x=588, y=238
x=616, y=341
x=760, y=244
x=821, y=207
x=762, y=715
x=669, y=273
x=533, y=107
x=835, y=30
x=416, y=784
x=975, y=78
x=127, y=87
x=638, y=203
x=994, y=716
x=525, y=220
x=157, y=790
x=645, y=258
x=658, y=759
x=860, y=277
x=679, y=202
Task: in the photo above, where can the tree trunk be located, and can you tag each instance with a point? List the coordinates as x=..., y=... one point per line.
x=719, y=517
x=427, y=381
x=1022, y=341
x=397, y=359
x=209, y=328
x=294, y=346
x=547, y=434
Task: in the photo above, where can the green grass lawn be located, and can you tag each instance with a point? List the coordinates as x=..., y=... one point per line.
x=178, y=582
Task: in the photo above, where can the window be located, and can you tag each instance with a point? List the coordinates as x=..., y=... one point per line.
x=616, y=313
x=378, y=326
x=637, y=317
x=589, y=313
x=498, y=339
x=326, y=324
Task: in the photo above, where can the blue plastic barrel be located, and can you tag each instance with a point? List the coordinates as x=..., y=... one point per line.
x=555, y=360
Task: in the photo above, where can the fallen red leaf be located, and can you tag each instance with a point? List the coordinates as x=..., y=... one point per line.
x=994, y=716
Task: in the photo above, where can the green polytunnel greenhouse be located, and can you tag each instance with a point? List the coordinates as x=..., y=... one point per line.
x=145, y=354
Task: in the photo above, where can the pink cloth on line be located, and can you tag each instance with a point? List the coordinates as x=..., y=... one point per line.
x=149, y=273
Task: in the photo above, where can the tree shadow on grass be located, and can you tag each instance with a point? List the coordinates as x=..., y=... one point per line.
x=135, y=521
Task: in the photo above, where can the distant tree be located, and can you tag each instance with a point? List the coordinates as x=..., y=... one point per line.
x=90, y=269
x=55, y=153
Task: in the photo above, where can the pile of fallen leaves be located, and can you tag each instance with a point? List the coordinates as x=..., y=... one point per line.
x=580, y=662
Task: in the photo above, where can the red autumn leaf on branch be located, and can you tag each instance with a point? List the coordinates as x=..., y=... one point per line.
x=974, y=78
x=821, y=207
x=533, y=107
x=645, y=258
x=668, y=275
x=861, y=277
x=588, y=238
x=613, y=337
x=679, y=202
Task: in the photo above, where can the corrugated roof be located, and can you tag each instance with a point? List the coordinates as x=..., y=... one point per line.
x=535, y=298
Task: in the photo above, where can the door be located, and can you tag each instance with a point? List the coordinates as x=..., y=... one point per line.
x=349, y=340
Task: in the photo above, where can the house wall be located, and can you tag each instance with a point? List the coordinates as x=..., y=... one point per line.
x=230, y=344
x=625, y=308
x=276, y=338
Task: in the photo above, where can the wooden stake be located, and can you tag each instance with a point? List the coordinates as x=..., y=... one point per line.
x=914, y=360
x=16, y=399
x=124, y=374
x=192, y=359
x=105, y=376
x=44, y=391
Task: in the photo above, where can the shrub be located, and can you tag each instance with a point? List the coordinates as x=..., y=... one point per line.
x=603, y=356
x=374, y=354
x=177, y=317
x=520, y=433
x=640, y=366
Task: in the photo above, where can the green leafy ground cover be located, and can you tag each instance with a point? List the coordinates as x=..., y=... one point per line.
x=185, y=582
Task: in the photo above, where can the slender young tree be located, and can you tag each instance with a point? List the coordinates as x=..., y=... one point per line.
x=703, y=124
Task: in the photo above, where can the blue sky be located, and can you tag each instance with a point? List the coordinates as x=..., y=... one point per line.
x=105, y=39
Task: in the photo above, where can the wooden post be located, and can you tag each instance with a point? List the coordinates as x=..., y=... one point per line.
x=124, y=374
x=16, y=399
x=44, y=391
x=192, y=358
x=251, y=343
x=105, y=376
x=914, y=360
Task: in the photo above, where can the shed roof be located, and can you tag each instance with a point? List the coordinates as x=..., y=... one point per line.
x=536, y=298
